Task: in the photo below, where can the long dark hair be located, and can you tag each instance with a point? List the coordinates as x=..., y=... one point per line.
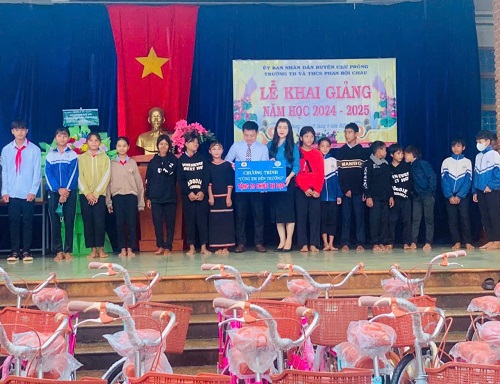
x=289, y=143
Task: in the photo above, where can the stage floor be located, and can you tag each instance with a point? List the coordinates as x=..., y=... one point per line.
x=179, y=264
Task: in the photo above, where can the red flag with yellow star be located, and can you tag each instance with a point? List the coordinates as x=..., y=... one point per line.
x=154, y=48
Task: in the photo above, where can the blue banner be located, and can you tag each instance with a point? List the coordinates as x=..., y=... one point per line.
x=260, y=176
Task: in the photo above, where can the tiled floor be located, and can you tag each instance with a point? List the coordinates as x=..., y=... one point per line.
x=180, y=264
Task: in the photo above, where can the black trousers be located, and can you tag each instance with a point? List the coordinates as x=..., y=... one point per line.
x=94, y=221
x=196, y=218
x=256, y=201
x=349, y=204
x=69, y=210
x=329, y=217
x=400, y=210
x=458, y=216
x=489, y=207
x=308, y=217
x=164, y=212
x=16, y=209
x=379, y=222
x=425, y=205
x=125, y=210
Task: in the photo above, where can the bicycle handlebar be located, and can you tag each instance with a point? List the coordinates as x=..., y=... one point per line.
x=249, y=290
x=395, y=272
x=320, y=286
x=372, y=301
x=114, y=268
x=24, y=292
x=279, y=342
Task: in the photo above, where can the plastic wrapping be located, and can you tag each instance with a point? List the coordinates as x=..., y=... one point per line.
x=51, y=300
x=475, y=352
x=490, y=333
x=230, y=289
x=348, y=354
x=302, y=290
x=251, y=349
x=396, y=288
x=371, y=339
x=124, y=293
x=486, y=304
x=292, y=300
x=57, y=362
x=120, y=343
x=497, y=290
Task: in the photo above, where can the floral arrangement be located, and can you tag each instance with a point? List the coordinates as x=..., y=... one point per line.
x=388, y=113
x=78, y=142
x=182, y=128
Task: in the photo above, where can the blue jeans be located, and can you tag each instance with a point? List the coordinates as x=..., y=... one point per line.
x=348, y=204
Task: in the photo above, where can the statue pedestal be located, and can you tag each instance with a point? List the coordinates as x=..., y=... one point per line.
x=147, y=239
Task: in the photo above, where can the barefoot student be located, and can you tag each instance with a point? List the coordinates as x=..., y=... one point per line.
x=161, y=193
x=125, y=196
x=331, y=196
x=93, y=179
x=221, y=219
x=61, y=176
x=309, y=181
x=486, y=188
x=193, y=176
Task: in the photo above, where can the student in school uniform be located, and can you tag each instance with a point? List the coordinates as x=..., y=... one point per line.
x=94, y=167
x=61, y=176
x=249, y=149
x=125, y=196
x=21, y=178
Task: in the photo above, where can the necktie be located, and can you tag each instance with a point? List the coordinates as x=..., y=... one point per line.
x=248, y=155
x=19, y=157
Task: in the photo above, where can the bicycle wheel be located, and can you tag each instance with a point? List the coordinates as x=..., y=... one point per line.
x=115, y=374
x=406, y=371
x=471, y=331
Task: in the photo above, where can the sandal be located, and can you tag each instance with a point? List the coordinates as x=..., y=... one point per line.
x=488, y=284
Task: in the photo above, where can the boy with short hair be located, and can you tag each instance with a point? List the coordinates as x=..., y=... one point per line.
x=249, y=149
x=401, y=186
x=351, y=158
x=456, y=180
x=486, y=188
x=379, y=195
x=61, y=175
x=21, y=178
x=424, y=186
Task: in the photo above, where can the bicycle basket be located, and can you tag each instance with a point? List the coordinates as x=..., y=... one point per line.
x=335, y=315
x=404, y=326
x=464, y=373
x=346, y=376
x=168, y=378
x=31, y=380
x=287, y=321
x=176, y=339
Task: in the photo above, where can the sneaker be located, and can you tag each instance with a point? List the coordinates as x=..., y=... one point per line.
x=27, y=258
x=13, y=258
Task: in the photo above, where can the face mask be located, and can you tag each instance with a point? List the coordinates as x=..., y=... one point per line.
x=481, y=147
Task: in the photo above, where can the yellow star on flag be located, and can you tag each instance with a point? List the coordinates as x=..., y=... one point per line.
x=152, y=63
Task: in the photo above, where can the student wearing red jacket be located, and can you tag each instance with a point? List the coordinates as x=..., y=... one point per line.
x=309, y=182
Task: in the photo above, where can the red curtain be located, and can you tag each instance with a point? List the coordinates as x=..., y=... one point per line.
x=154, y=48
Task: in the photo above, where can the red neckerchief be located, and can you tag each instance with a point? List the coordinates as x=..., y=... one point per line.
x=123, y=162
x=19, y=157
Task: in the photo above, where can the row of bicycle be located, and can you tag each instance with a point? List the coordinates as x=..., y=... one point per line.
x=399, y=343
x=330, y=340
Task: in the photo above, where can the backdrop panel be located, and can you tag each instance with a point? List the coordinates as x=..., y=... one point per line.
x=53, y=58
